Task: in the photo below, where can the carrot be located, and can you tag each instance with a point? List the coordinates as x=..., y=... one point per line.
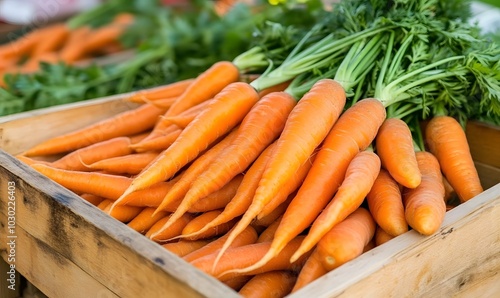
x=386, y=204
x=53, y=39
x=354, y=131
x=237, y=283
x=104, y=204
x=24, y=45
x=425, y=207
x=182, y=248
x=312, y=270
x=205, y=86
x=218, y=199
x=448, y=142
x=248, y=236
x=398, y=159
x=359, y=179
x=172, y=90
x=92, y=199
x=126, y=123
x=273, y=284
x=381, y=236
x=127, y=164
x=32, y=64
x=243, y=197
x=449, y=192
x=174, y=230
x=136, y=138
x=80, y=159
x=306, y=127
x=236, y=258
x=226, y=111
x=72, y=50
x=145, y=220
x=32, y=161
x=180, y=189
x=346, y=240
x=103, y=36
x=276, y=88
x=270, y=218
x=123, y=213
x=198, y=222
x=159, y=143
x=268, y=233
x=151, y=196
x=103, y=185
x=183, y=119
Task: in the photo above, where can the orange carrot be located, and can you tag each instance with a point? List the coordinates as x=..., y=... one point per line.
x=268, y=233
x=136, y=138
x=425, y=207
x=270, y=218
x=273, y=284
x=248, y=236
x=145, y=220
x=226, y=111
x=53, y=39
x=395, y=147
x=312, y=270
x=151, y=196
x=354, y=131
x=218, y=199
x=183, y=119
x=80, y=159
x=104, y=204
x=306, y=127
x=104, y=35
x=92, y=199
x=72, y=50
x=275, y=88
x=198, y=222
x=205, y=86
x=127, y=164
x=381, y=236
x=172, y=90
x=126, y=123
x=449, y=192
x=346, y=240
x=232, y=261
x=32, y=161
x=237, y=283
x=182, y=247
x=174, y=230
x=123, y=213
x=159, y=143
x=448, y=142
x=359, y=179
x=386, y=204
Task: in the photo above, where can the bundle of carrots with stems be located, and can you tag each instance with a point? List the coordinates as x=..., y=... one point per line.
x=302, y=169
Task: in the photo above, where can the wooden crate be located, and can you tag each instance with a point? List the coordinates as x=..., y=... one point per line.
x=68, y=248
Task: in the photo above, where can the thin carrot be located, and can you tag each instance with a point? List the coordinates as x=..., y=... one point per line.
x=386, y=204
x=237, y=283
x=205, y=86
x=449, y=192
x=80, y=159
x=448, y=142
x=398, y=159
x=346, y=240
x=32, y=161
x=268, y=233
x=183, y=247
x=136, y=138
x=171, y=90
x=104, y=204
x=248, y=236
x=126, y=123
x=270, y=218
x=123, y=213
x=354, y=131
x=92, y=199
x=425, y=207
x=273, y=284
x=381, y=236
x=159, y=143
x=198, y=222
x=226, y=111
x=183, y=119
x=306, y=127
x=72, y=50
x=127, y=164
x=104, y=35
x=145, y=220
x=218, y=199
x=53, y=39
x=151, y=196
x=175, y=228
x=312, y=270
x=359, y=179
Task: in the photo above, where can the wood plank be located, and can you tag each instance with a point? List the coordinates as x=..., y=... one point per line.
x=484, y=142
x=5, y=291
x=413, y=263
x=489, y=175
x=128, y=263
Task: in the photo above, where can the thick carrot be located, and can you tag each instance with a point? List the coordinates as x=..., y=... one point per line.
x=394, y=145
x=381, y=236
x=359, y=179
x=201, y=220
x=306, y=127
x=237, y=283
x=180, y=189
x=226, y=111
x=346, y=240
x=425, y=207
x=355, y=130
x=218, y=199
x=205, y=86
x=145, y=220
x=268, y=233
x=448, y=142
x=126, y=123
x=248, y=236
x=127, y=164
x=237, y=258
x=312, y=270
x=182, y=247
x=243, y=197
x=386, y=204
x=273, y=284
x=123, y=213
x=53, y=39
x=174, y=230
x=80, y=159
x=172, y=90
x=136, y=138
x=92, y=199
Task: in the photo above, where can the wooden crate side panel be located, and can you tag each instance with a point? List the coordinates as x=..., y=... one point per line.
x=124, y=260
x=484, y=142
x=409, y=265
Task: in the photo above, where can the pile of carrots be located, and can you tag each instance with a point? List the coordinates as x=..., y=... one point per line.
x=257, y=188
x=58, y=42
